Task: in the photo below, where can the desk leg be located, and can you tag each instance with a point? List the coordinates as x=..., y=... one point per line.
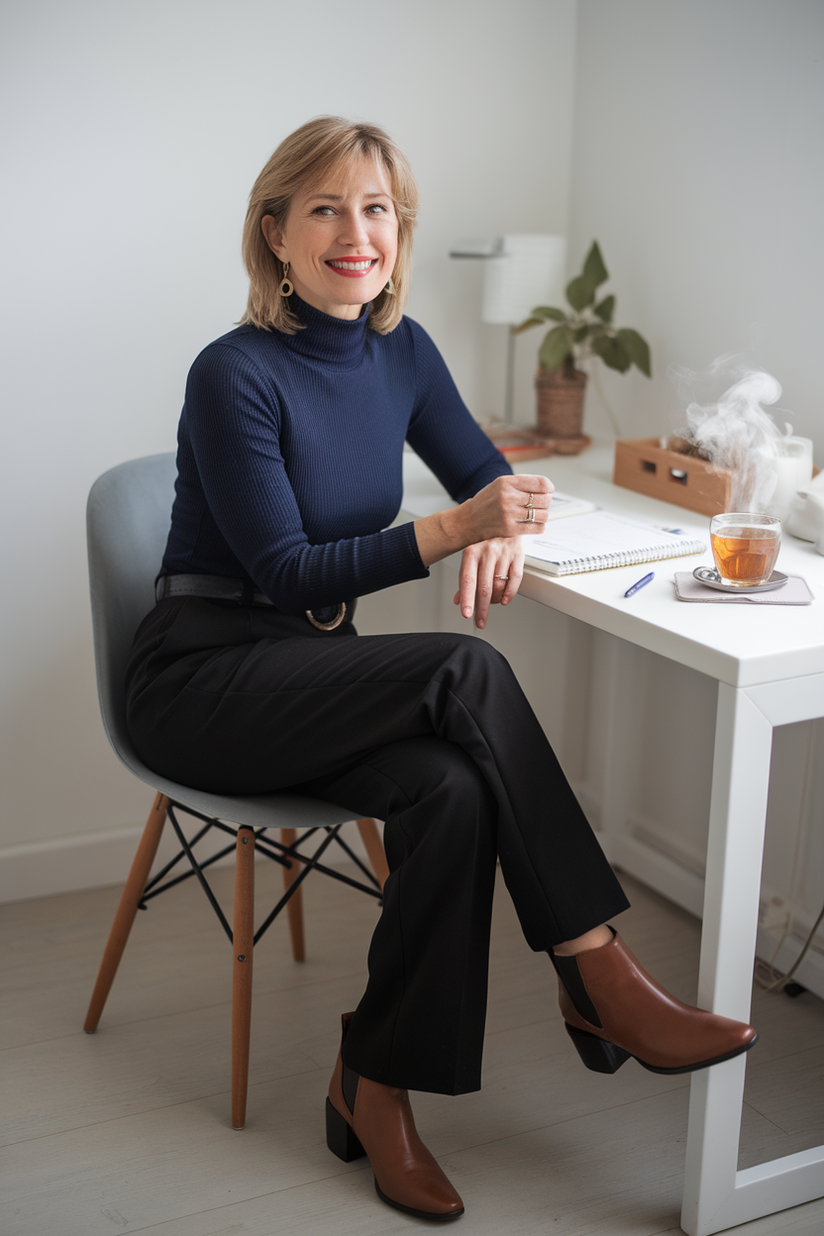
x=620, y=749
x=741, y=768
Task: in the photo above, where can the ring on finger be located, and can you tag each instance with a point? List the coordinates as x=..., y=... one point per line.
x=530, y=516
x=529, y=503
x=505, y=578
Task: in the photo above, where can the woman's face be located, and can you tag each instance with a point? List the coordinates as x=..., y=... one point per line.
x=340, y=238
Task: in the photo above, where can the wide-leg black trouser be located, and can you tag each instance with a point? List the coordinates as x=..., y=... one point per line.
x=430, y=733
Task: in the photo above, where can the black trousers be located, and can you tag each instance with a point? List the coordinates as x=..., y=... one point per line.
x=430, y=733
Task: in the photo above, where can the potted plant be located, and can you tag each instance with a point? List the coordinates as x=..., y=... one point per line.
x=586, y=330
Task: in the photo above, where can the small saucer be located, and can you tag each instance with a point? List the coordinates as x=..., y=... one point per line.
x=710, y=577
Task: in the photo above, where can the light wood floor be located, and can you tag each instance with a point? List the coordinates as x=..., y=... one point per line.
x=127, y=1130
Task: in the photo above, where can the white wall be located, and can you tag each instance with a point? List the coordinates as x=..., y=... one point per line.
x=133, y=133
x=697, y=164
x=132, y=136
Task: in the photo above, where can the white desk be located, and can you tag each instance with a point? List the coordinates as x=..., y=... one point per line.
x=768, y=662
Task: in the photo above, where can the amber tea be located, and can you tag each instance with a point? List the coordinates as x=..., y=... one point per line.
x=745, y=548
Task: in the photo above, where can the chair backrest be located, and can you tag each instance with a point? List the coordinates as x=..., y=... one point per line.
x=127, y=523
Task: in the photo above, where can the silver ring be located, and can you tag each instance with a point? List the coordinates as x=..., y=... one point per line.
x=529, y=504
x=530, y=517
x=503, y=577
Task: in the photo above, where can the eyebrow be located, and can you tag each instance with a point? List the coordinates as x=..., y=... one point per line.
x=338, y=197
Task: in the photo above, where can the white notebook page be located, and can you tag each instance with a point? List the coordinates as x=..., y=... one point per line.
x=601, y=538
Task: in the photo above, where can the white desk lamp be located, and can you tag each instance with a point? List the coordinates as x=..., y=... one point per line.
x=520, y=272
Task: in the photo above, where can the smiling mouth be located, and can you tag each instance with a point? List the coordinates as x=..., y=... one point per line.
x=354, y=265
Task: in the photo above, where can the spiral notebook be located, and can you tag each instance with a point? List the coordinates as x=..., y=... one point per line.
x=599, y=539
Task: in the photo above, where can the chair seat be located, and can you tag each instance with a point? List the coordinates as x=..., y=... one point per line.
x=278, y=810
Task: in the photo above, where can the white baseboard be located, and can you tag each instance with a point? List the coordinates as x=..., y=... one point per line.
x=67, y=864
x=93, y=860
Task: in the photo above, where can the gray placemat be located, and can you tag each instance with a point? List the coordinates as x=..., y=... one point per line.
x=795, y=592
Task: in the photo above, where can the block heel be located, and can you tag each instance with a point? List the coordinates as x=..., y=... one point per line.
x=597, y=1054
x=613, y=1010
x=340, y=1137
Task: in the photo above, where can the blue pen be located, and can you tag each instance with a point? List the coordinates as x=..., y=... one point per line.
x=642, y=583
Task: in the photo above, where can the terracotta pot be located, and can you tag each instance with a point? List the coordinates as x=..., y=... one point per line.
x=560, y=401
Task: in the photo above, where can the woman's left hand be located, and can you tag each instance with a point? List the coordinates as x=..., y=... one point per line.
x=491, y=574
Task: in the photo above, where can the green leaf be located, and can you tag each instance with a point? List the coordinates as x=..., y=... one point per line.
x=606, y=309
x=555, y=348
x=595, y=272
x=549, y=314
x=533, y=321
x=611, y=352
x=580, y=334
x=580, y=293
x=636, y=348
x=537, y=318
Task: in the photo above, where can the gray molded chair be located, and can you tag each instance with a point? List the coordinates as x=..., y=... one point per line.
x=127, y=524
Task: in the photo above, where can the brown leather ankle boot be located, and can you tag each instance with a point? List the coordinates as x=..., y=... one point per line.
x=366, y=1117
x=613, y=1010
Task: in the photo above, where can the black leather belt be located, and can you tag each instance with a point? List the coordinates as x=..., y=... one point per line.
x=218, y=588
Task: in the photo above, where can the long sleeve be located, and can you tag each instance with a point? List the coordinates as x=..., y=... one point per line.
x=290, y=453
x=237, y=439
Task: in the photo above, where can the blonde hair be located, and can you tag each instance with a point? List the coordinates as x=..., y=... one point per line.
x=299, y=162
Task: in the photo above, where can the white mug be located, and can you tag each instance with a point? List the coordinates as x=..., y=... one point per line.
x=794, y=465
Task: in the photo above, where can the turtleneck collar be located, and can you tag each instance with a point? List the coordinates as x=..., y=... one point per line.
x=332, y=341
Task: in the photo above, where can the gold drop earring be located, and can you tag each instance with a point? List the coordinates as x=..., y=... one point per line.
x=285, y=287
x=390, y=287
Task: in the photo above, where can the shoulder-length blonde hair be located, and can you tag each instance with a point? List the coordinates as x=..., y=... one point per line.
x=299, y=162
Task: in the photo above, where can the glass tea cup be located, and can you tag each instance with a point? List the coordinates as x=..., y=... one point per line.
x=745, y=547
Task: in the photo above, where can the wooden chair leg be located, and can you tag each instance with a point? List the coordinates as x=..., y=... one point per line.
x=243, y=932
x=294, y=906
x=126, y=911
x=373, y=845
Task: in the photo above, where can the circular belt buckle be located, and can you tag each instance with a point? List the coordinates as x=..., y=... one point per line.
x=328, y=626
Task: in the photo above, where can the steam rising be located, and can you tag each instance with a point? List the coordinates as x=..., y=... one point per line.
x=733, y=431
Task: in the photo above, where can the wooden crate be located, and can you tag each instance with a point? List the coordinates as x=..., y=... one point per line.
x=644, y=465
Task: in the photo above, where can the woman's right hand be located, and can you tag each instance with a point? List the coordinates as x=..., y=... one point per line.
x=503, y=507
x=509, y=506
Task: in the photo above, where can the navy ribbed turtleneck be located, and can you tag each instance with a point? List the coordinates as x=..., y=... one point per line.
x=289, y=457
x=330, y=341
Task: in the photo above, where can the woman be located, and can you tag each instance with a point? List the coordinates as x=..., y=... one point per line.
x=248, y=676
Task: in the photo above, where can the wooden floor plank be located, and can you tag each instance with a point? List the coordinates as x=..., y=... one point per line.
x=128, y=1130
